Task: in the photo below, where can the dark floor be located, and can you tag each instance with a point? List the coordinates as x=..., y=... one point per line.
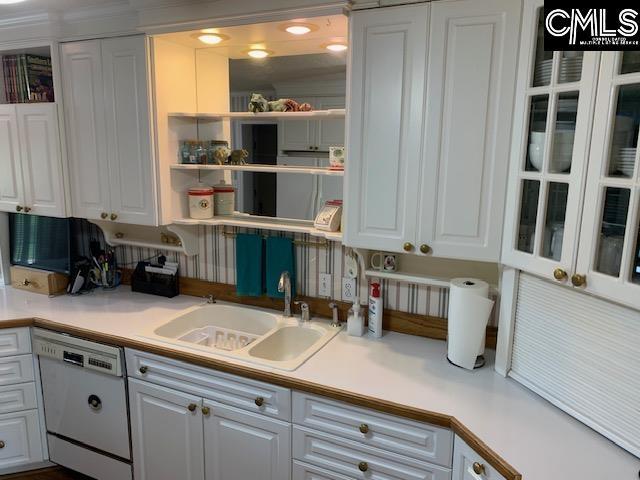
x=55, y=473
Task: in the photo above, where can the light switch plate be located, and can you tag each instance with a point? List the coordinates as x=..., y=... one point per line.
x=348, y=289
x=324, y=289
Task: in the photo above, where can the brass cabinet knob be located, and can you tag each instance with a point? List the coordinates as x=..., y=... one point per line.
x=578, y=280
x=407, y=247
x=478, y=468
x=206, y=410
x=26, y=282
x=259, y=401
x=559, y=274
x=192, y=407
x=27, y=209
x=424, y=248
x=114, y=216
x=363, y=466
x=104, y=215
x=364, y=428
x=2, y=444
x=143, y=369
x=18, y=208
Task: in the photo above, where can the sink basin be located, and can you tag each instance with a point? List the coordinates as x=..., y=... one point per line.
x=286, y=343
x=245, y=333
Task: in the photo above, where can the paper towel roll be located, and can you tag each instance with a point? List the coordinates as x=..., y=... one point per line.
x=469, y=310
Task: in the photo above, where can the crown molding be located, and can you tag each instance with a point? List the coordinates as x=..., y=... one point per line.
x=39, y=18
x=110, y=10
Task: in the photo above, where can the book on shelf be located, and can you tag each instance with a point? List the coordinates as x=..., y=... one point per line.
x=27, y=78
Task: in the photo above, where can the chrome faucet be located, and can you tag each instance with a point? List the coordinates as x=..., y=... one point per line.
x=304, y=312
x=284, y=286
x=335, y=321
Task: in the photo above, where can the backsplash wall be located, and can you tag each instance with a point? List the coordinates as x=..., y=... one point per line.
x=216, y=259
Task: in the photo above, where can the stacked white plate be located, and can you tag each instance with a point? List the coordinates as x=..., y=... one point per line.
x=625, y=160
x=570, y=71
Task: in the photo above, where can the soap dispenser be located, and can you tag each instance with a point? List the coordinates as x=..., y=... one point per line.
x=355, y=320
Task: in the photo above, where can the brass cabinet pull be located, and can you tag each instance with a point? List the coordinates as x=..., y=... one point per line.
x=18, y=208
x=424, y=248
x=363, y=466
x=259, y=401
x=192, y=407
x=407, y=247
x=104, y=215
x=26, y=282
x=206, y=410
x=114, y=216
x=27, y=209
x=364, y=428
x=143, y=369
x=478, y=468
x=578, y=280
x=2, y=444
x=559, y=274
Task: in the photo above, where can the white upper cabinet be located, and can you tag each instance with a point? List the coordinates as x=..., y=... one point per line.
x=554, y=108
x=387, y=59
x=608, y=261
x=428, y=141
x=297, y=135
x=470, y=86
x=31, y=160
x=330, y=132
x=107, y=120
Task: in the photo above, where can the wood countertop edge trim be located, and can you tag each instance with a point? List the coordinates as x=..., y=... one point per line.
x=434, y=418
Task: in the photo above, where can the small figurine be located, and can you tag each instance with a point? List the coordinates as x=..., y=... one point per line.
x=258, y=103
x=237, y=157
x=220, y=155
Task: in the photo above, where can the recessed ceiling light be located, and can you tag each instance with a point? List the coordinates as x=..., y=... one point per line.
x=209, y=37
x=255, y=53
x=336, y=47
x=298, y=29
x=8, y=2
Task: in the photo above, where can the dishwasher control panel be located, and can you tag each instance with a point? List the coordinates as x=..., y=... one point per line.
x=77, y=351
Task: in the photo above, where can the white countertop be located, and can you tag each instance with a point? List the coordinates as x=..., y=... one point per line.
x=537, y=439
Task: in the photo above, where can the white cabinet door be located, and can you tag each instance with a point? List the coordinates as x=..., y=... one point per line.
x=11, y=186
x=131, y=172
x=471, y=75
x=20, y=438
x=609, y=251
x=41, y=159
x=298, y=135
x=244, y=445
x=330, y=132
x=166, y=435
x=466, y=462
x=549, y=152
x=85, y=128
x=387, y=61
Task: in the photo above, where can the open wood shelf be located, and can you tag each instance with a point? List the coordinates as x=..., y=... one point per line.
x=262, y=168
x=333, y=113
x=263, y=223
x=409, y=278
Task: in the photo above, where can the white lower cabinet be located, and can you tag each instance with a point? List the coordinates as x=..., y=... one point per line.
x=304, y=471
x=241, y=445
x=468, y=465
x=20, y=439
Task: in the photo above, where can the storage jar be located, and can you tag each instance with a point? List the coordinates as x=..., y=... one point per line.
x=201, y=202
x=225, y=198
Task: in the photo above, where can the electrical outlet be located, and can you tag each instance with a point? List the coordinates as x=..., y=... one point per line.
x=324, y=289
x=348, y=289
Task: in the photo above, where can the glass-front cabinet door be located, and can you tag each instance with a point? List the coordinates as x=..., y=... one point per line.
x=609, y=253
x=554, y=104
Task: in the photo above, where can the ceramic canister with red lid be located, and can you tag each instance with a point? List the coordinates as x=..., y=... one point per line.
x=225, y=198
x=201, y=202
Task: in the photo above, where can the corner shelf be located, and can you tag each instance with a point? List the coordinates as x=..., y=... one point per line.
x=263, y=223
x=333, y=113
x=262, y=168
x=409, y=278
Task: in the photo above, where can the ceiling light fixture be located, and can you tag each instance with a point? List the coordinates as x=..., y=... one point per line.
x=336, y=47
x=208, y=37
x=256, y=53
x=298, y=28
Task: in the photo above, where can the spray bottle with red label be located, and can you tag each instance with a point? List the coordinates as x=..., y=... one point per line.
x=375, y=311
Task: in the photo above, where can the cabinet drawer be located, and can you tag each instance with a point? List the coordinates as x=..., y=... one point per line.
x=14, y=398
x=20, y=437
x=232, y=390
x=350, y=458
x=16, y=369
x=464, y=460
x=304, y=471
x=14, y=341
x=395, y=434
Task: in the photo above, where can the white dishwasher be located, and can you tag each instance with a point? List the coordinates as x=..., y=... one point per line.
x=85, y=404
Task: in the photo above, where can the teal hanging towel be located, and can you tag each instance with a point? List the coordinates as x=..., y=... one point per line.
x=249, y=265
x=279, y=258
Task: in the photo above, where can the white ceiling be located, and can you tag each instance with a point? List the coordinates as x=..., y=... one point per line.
x=271, y=36
x=58, y=6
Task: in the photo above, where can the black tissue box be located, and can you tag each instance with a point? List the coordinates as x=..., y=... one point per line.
x=161, y=284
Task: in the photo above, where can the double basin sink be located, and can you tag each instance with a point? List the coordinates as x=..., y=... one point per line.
x=246, y=333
